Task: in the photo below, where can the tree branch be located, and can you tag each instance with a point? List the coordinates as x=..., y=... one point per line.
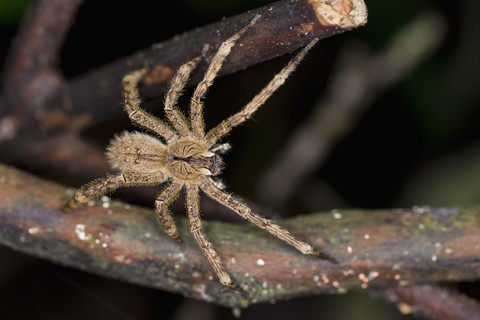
x=30, y=76
x=64, y=154
x=284, y=26
x=375, y=248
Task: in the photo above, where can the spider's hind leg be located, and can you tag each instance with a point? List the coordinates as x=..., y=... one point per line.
x=99, y=187
x=136, y=113
x=93, y=190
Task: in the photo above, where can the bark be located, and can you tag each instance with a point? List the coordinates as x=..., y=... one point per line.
x=375, y=248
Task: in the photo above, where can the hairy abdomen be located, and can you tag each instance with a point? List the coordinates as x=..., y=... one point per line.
x=137, y=152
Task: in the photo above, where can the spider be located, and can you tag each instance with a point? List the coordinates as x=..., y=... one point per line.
x=189, y=158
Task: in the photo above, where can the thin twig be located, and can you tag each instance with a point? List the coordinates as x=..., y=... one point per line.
x=375, y=248
x=432, y=301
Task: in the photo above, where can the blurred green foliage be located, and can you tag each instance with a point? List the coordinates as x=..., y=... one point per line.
x=11, y=11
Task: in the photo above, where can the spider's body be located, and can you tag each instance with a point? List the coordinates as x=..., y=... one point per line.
x=188, y=157
x=184, y=159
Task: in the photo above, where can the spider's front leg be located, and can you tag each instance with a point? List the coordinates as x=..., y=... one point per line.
x=220, y=130
x=245, y=212
x=196, y=106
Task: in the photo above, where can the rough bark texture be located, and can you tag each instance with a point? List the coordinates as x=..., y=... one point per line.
x=375, y=248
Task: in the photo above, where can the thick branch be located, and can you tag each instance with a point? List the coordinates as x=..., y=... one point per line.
x=375, y=248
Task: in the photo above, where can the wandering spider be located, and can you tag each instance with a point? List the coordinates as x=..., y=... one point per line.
x=189, y=158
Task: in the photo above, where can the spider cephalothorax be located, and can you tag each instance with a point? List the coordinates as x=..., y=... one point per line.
x=188, y=157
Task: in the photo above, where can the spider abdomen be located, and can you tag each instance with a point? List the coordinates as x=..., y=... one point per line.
x=137, y=152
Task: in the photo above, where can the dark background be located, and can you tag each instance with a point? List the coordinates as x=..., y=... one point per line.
x=418, y=143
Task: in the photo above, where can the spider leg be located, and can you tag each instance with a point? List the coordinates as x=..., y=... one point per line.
x=137, y=114
x=196, y=105
x=99, y=187
x=245, y=212
x=163, y=201
x=177, y=84
x=193, y=212
x=226, y=125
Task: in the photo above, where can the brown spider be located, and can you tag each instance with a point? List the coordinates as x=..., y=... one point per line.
x=189, y=158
